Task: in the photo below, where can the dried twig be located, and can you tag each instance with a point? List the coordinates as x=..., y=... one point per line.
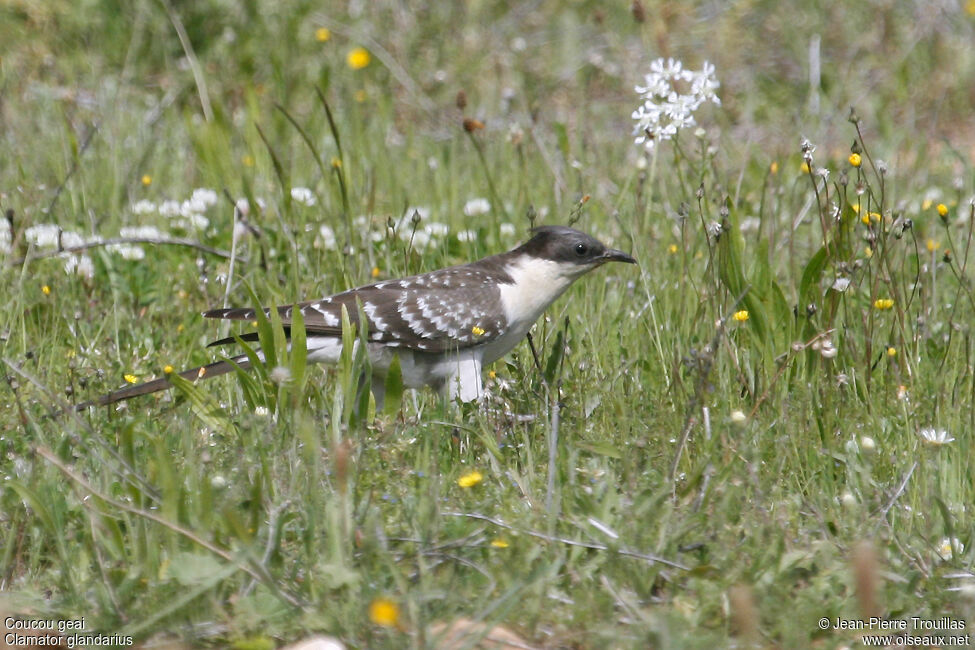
x=648, y=557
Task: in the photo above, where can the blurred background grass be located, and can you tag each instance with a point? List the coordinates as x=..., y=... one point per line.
x=311, y=516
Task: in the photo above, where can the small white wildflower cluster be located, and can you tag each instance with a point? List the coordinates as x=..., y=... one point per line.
x=132, y=251
x=185, y=215
x=304, y=196
x=666, y=107
x=935, y=437
x=415, y=227
x=477, y=207
x=50, y=236
x=949, y=547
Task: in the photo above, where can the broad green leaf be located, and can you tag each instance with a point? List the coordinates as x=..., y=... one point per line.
x=394, y=388
x=203, y=405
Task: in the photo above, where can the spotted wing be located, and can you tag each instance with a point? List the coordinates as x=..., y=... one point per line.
x=449, y=309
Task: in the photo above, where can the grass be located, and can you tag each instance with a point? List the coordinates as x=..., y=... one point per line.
x=719, y=481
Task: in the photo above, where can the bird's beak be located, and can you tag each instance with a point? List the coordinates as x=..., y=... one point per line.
x=613, y=255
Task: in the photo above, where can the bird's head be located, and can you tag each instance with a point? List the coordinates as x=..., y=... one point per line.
x=576, y=251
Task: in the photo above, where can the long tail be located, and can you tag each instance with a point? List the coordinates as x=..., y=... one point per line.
x=214, y=369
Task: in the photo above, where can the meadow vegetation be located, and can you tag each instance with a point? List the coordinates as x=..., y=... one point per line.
x=768, y=422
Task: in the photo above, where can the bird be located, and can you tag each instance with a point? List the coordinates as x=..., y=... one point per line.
x=445, y=325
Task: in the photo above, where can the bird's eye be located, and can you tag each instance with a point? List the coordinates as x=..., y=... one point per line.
x=581, y=249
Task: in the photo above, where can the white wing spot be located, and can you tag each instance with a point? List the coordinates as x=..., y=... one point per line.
x=378, y=323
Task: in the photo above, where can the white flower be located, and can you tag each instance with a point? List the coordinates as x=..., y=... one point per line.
x=467, y=236
x=867, y=444
x=947, y=548
x=418, y=240
x=244, y=207
x=935, y=437
x=141, y=232
x=841, y=284
x=80, y=265
x=666, y=108
x=280, y=375
x=45, y=235
x=204, y=196
x=827, y=349
x=507, y=229
x=477, y=207
x=71, y=239
x=192, y=222
x=130, y=252
x=303, y=195
x=436, y=229
x=327, y=237
x=170, y=209
x=143, y=207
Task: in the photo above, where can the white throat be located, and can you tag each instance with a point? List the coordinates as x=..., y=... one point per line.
x=537, y=284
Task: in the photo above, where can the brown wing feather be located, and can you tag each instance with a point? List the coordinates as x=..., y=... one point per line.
x=452, y=308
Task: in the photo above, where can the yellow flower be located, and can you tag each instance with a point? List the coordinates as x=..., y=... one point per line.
x=875, y=216
x=499, y=543
x=804, y=167
x=247, y=160
x=131, y=379
x=375, y=272
x=741, y=316
x=855, y=159
x=322, y=34
x=358, y=58
x=942, y=210
x=492, y=374
x=383, y=611
x=856, y=207
x=167, y=370
x=865, y=219
x=336, y=163
x=970, y=7
x=774, y=168
x=933, y=245
x=883, y=303
x=470, y=479
x=46, y=290
x=868, y=252
x=927, y=203
x=672, y=248
x=146, y=180
x=477, y=331
x=891, y=351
